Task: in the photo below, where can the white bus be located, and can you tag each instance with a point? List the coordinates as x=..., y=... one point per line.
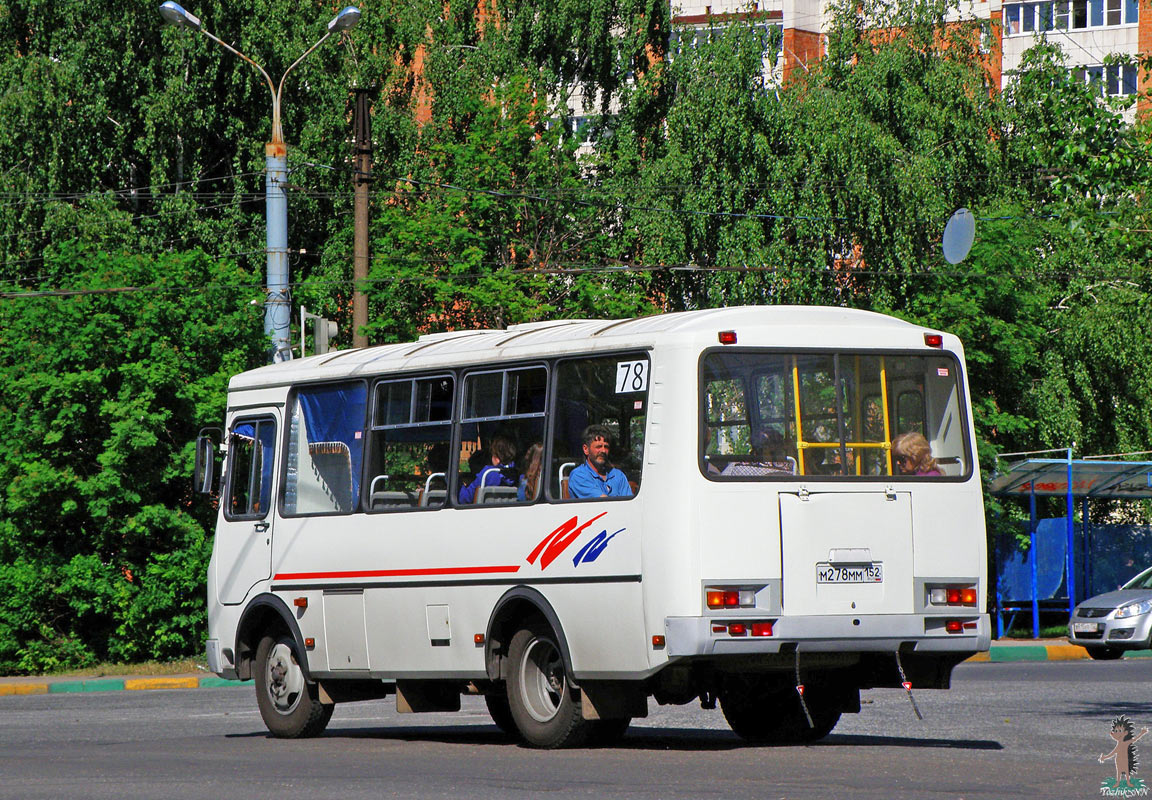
x=759, y=535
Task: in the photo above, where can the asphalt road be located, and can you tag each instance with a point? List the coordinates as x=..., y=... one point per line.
x=1003, y=730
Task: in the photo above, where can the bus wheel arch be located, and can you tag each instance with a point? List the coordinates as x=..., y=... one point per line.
x=265, y=615
x=517, y=608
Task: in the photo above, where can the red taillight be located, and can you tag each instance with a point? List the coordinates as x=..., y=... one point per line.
x=934, y=339
x=954, y=626
x=727, y=337
x=953, y=596
x=761, y=628
x=731, y=599
x=737, y=629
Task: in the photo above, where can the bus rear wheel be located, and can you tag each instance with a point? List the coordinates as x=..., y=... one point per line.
x=775, y=716
x=501, y=713
x=288, y=703
x=540, y=697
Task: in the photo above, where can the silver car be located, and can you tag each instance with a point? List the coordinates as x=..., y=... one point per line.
x=1110, y=623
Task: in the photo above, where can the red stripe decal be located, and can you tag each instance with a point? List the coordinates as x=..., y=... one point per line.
x=393, y=573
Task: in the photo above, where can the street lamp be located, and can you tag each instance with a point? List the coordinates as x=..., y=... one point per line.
x=277, y=307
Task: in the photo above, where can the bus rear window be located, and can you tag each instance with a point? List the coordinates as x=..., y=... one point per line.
x=849, y=415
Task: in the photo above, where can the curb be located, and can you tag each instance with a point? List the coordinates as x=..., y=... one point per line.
x=20, y=686
x=1048, y=652
x=112, y=685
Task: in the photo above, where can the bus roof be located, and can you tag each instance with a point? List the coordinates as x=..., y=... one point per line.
x=784, y=326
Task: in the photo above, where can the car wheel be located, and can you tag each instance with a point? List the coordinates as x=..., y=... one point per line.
x=1104, y=653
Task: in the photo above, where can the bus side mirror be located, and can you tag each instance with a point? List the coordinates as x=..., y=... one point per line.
x=204, y=472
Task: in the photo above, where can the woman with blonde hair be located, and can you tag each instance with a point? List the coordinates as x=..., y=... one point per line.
x=913, y=455
x=530, y=481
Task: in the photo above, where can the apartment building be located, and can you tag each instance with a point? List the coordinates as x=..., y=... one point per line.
x=1091, y=33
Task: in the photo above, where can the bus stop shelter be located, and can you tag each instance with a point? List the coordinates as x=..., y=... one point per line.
x=1073, y=479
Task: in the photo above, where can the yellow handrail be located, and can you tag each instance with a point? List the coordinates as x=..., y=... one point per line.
x=800, y=443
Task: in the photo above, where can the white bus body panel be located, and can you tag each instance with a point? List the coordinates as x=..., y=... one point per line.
x=404, y=595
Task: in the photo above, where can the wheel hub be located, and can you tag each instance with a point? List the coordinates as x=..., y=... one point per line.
x=285, y=678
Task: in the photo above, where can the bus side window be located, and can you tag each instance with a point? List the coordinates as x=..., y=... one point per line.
x=910, y=412
x=410, y=445
x=609, y=391
x=501, y=434
x=325, y=449
x=251, y=456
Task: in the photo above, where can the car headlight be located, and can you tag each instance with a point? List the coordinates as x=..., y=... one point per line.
x=1134, y=609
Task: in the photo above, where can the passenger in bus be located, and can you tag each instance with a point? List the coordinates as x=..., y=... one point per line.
x=530, y=480
x=913, y=455
x=596, y=477
x=770, y=458
x=501, y=472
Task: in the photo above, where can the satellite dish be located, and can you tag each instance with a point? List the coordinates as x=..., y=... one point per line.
x=958, y=236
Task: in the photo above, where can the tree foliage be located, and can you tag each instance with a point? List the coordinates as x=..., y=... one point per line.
x=531, y=160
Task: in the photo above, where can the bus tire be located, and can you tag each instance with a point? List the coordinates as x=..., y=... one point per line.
x=498, y=708
x=540, y=696
x=288, y=702
x=776, y=716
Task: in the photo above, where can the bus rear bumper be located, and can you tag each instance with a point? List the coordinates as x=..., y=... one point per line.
x=878, y=633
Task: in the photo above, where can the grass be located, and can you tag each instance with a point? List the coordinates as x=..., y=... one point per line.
x=1046, y=631
x=147, y=668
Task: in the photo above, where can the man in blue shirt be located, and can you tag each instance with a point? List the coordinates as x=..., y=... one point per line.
x=596, y=477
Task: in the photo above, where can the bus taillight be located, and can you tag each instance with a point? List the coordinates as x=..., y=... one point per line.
x=954, y=626
x=934, y=339
x=717, y=597
x=952, y=595
x=761, y=628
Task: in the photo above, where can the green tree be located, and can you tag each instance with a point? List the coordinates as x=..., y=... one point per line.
x=103, y=549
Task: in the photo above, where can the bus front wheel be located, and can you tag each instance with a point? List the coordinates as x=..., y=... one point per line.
x=540, y=697
x=288, y=703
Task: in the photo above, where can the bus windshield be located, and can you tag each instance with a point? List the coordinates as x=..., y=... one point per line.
x=850, y=415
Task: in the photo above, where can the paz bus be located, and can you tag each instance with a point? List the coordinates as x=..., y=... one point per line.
x=768, y=552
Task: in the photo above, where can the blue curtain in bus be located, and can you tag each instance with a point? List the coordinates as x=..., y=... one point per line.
x=337, y=414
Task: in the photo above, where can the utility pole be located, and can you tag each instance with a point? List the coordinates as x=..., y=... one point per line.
x=277, y=302
x=362, y=161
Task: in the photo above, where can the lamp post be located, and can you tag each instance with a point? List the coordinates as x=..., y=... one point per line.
x=277, y=306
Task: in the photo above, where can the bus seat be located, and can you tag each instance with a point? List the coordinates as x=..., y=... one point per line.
x=563, y=477
x=392, y=499
x=497, y=494
x=433, y=497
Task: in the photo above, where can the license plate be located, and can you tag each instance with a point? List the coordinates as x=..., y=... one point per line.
x=850, y=573
x=1085, y=627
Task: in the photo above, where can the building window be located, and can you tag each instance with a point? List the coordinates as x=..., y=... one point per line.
x=1111, y=80
x=1031, y=18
